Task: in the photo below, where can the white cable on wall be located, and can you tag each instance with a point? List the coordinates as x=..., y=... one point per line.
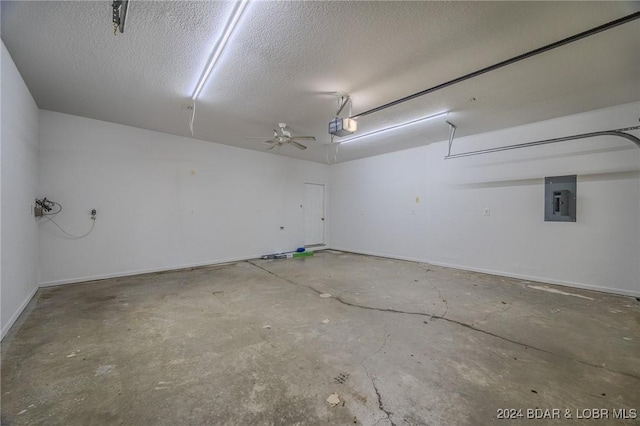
x=193, y=116
x=75, y=237
x=48, y=205
x=335, y=152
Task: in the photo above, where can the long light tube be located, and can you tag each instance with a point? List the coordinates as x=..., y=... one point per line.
x=397, y=126
x=220, y=45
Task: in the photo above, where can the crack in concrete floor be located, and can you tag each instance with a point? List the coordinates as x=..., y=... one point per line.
x=452, y=321
x=373, y=382
x=214, y=324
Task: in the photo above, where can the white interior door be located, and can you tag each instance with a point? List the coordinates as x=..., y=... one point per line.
x=313, y=214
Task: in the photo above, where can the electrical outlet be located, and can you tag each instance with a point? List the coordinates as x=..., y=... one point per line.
x=94, y=212
x=487, y=212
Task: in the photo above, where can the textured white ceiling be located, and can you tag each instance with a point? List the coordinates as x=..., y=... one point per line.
x=285, y=58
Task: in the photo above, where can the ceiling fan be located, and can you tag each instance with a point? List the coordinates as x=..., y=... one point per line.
x=283, y=136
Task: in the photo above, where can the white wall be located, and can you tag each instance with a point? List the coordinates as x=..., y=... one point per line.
x=374, y=208
x=163, y=201
x=19, y=140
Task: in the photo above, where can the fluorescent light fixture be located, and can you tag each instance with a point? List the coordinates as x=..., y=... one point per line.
x=397, y=126
x=222, y=42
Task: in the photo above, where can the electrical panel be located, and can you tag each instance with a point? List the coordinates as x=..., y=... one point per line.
x=560, y=198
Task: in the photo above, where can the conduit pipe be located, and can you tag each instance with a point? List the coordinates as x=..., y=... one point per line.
x=615, y=132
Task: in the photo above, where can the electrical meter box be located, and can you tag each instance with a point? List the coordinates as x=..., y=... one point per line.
x=560, y=198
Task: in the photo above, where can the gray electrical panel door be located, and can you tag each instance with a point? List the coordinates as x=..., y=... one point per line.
x=560, y=198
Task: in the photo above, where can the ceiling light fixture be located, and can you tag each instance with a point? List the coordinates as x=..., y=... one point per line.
x=220, y=45
x=397, y=126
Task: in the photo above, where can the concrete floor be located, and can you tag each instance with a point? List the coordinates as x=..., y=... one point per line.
x=254, y=343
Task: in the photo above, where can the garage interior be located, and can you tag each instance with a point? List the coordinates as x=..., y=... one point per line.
x=421, y=213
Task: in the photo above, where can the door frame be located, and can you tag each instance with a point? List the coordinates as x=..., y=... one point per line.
x=324, y=214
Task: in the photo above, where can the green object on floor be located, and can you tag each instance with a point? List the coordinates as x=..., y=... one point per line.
x=303, y=254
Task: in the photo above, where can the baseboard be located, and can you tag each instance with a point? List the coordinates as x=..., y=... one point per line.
x=145, y=271
x=77, y=280
x=546, y=280
x=617, y=291
x=317, y=248
x=383, y=255
x=16, y=315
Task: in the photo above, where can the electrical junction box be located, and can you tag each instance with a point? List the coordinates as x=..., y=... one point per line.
x=560, y=198
x=342, y=126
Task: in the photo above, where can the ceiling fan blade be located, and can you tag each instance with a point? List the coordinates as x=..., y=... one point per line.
x=297, y=145
x=273, y=146
x=304, y=138
x=269, y=141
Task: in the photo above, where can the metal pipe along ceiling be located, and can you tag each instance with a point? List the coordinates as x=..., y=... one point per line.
x=616, y=132
x=510, y=61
